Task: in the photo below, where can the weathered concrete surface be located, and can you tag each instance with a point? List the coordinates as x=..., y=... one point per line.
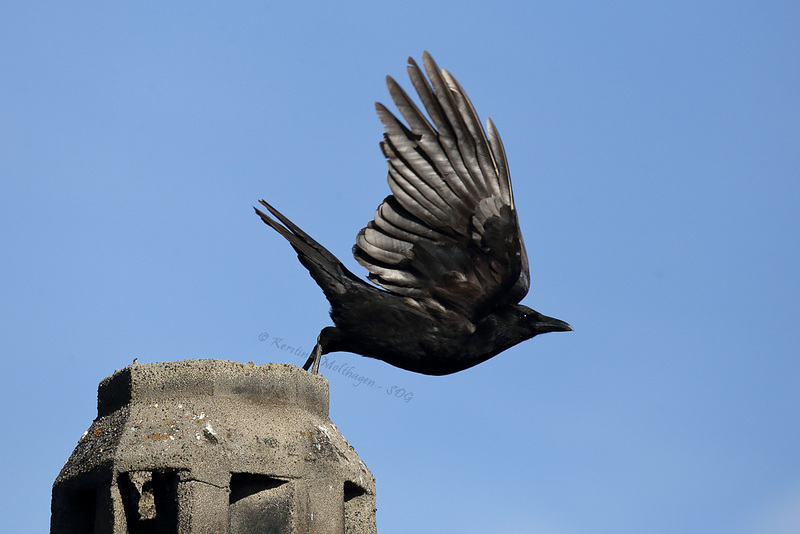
x=212, y=446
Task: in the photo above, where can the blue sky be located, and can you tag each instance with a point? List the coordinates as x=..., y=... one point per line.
x=655, y=156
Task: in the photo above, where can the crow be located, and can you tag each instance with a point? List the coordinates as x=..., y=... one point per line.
x=445, y=246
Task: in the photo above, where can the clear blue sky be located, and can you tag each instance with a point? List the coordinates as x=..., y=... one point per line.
x=655, y=153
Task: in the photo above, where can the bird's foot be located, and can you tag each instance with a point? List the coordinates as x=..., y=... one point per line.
x=316, y=354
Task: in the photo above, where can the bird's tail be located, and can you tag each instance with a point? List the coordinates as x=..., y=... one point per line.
x=326, y=269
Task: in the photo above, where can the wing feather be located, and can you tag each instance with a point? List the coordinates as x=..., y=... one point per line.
x=448, y=234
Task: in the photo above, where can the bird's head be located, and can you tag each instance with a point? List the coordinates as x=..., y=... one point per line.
x=505, y=327
x=522, y=323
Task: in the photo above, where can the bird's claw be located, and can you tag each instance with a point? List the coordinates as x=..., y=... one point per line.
x=313, y=360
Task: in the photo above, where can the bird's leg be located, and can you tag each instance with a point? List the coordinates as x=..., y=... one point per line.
x=316, y=354
x=330, y=339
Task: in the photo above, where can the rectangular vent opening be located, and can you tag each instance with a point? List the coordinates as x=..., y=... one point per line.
x=149, y=499
x=244, y=485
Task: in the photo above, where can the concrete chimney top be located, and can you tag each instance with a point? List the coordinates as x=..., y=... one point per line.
x=213, y=446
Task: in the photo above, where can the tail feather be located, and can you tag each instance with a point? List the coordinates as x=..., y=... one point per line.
x=325, y=268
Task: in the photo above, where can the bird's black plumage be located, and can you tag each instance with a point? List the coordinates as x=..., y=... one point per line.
x=445, y=245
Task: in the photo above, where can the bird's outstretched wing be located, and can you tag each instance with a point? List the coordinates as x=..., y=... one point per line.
x=449, y=231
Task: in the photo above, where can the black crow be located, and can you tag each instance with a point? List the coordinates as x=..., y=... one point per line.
x=445, y=245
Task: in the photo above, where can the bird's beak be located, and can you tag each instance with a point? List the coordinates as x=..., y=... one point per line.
x=549, y=324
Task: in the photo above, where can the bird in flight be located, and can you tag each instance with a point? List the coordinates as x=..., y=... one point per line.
x=445, y=246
